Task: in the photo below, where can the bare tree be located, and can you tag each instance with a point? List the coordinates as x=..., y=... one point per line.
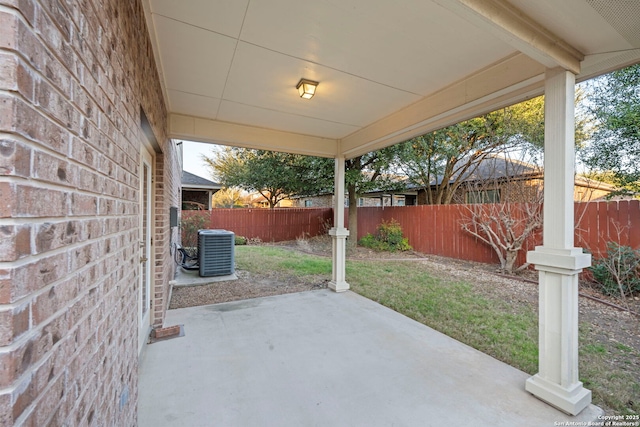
x=618, y=271
x=504, y=207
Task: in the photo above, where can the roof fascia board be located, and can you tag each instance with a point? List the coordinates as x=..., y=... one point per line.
x=201, y=187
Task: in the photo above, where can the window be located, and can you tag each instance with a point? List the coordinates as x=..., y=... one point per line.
x=485, y=196
x=308, y=203
x=360, y=201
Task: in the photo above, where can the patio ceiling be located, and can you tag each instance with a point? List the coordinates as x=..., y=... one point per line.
x=388, y=71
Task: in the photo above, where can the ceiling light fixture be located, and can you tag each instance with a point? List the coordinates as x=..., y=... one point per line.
x=306, y=88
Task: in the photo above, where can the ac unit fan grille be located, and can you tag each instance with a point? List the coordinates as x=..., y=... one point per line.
x=216, y=252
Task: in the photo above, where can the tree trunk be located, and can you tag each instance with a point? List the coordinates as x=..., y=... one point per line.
x=510, y=261
x=352, y=240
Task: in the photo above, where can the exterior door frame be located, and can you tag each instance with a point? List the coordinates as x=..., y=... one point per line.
x=146, y=227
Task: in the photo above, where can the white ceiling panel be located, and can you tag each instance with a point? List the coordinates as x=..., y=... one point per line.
x=193, y=105
x=270, y=119
x=385, y=67
x=385, y=42
x=223, y=17
x=193, y=60
x=340, y=97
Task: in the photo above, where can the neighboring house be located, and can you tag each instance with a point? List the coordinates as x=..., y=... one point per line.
x=403, y=197
x=259, y=201
x=373, y=199
x=502, y=179
x=496, y=179
x=197, y=191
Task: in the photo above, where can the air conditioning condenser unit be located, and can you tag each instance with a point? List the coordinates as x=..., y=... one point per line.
x=216, y=252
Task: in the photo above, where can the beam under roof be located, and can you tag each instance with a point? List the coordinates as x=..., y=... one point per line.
x=509, y=24
x=237, y=135
x=513, y=80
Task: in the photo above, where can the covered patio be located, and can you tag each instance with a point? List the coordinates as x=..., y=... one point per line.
x=318, y=358
x=386, y=72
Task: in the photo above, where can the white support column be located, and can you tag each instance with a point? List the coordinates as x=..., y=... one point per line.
x=557, y=261
x=338, y=232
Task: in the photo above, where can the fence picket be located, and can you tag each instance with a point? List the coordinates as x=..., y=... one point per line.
x=431, y=229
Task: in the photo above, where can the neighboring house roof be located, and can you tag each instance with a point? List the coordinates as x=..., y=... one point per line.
x=490, y=167
x=190, y=180
x=496, y=167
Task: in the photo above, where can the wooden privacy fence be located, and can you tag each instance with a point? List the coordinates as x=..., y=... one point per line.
x=436, y=229
x=431, y=229
x=598, y=223
x=273, y=225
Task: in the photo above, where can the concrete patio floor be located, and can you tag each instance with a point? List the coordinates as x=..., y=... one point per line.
x=319, y=358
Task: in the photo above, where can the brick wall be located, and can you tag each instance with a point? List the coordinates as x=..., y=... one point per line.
x=315, y=202
x=74, y=78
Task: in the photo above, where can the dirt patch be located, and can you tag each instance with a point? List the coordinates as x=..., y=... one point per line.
x=246, y=286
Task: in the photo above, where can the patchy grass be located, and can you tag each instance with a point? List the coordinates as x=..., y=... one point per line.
x=508, y=332
x=611, y=370
x=451, y=307
x=257, y=259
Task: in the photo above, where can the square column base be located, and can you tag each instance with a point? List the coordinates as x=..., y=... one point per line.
x=339, y=286
x=339, y=255
x=569, y=400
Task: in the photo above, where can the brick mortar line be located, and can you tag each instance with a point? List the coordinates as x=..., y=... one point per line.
x=77, y=55
x=44, y=359
x=70, y=133
x=30, y=259
x=34, y=295
x=41, y=396
x=68, y=158
x=128, y=121
x=27, y=336
x=60, y=220
x=24, y=336
x=46, y=185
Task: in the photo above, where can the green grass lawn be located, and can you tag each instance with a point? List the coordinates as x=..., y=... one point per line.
x=508, y=333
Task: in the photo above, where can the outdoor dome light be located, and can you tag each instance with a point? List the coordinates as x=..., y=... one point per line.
x=306, y=88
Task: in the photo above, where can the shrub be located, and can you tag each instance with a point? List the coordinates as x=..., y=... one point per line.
x=239, y=240
x=388, y=238
x=619, y=271
x=189, y=226
x=254, y=241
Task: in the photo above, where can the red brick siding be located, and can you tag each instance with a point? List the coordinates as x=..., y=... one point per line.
x=74, y=78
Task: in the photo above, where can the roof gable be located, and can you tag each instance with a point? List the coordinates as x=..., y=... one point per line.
x=191, y=180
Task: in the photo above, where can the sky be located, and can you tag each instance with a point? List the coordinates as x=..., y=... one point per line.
x=191, y=152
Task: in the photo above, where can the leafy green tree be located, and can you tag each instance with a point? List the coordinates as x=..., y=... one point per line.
x=614, y=102
x=274, y=175
x=369, y=172
x=279, y=175
x=440, y=161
